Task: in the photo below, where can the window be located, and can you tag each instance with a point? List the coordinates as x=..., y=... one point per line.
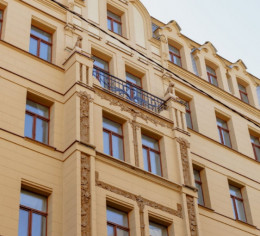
x=37, y=122
x=243, y=93
x=175, y=56
x=256, y=146
x=157, y=229
x=33, y=214
x=188, y=114
x=1, y=22
x=237, y=203
x=198, y=184
x=40, y=43
x=113, y=139
x=114, y=23
x=133, y=86
x=154, y=28
x=117, y=222
x=212, y=77
x=194, y=64
x=151, y=155
x=223, y=132
x=258, y=94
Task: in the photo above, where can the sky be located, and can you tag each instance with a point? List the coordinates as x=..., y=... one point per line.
x=232, y=26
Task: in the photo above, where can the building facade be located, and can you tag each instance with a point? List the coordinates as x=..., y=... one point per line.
x=114, y=123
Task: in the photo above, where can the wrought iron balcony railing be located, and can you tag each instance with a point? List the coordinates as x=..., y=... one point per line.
x=128, y=91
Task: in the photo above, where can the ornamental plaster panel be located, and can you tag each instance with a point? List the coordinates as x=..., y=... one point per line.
x=141, y=201
x=133, y=111
x=85, y=196
x=192, y=216
x=184, y=145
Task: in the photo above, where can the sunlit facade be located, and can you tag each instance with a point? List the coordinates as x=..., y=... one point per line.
x=120, y=125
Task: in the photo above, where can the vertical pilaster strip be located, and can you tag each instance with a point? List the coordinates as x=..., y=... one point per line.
x=85, y=196
x=85, y=98
x=135, y=127
x=184, y=145
x=140, y=203
x=192, y=216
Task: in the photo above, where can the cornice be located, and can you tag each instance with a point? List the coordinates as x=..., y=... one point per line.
x=133, y=108
x=31, y=55
x=50, y=5
x=220, y=93
x=138, y=171
x=223, y=146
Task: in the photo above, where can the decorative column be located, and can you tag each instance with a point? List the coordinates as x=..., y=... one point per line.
x=85, y=196
x=181, y=137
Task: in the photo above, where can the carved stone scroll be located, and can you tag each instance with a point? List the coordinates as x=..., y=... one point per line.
x=192, y=216
x=139, y=199
x=184, y=145
x=85, y=196
x=85, y=98
x=133, y=111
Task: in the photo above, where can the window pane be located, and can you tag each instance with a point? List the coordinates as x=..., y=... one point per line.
x=244, y=98
x=117, y=217
x=112, y=126
x=45, y=51
x=1, y=15
x=196, y=175
x=226, y=138
x=38, y=225
x=133, y=79
x=28, y=128
x=242, y=88
x=233, y=208
x=41, y=34
x=23, y=223
x=145, y=157
x=210, y=70
x=33, y=46
x=174, y=50
x=121, y=232
x=258, y=94
x=110, y=231
x=235, y=191
x=240, y=210
x=254, y=140
x=100, y=63
x=200, y=194
x=106, y=145
x=157, y=230
x=150, y=142
x=213, y=80
x=194, y=65
x=257, y=152
x=118, y=151
x=117, y=28
x=32, y=200
x=188, y=120
x=42, y=130
x=0, y=27
x=155, y=163
x=37, y=108
x=222, y=123
x=109, y=24
x=114, y=16
x=177, y=61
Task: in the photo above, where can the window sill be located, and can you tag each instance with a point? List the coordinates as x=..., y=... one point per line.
x=110, y=31
x=39, y=143
x=206, y=208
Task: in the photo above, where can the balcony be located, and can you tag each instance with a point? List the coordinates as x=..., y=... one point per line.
x=129, y=91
